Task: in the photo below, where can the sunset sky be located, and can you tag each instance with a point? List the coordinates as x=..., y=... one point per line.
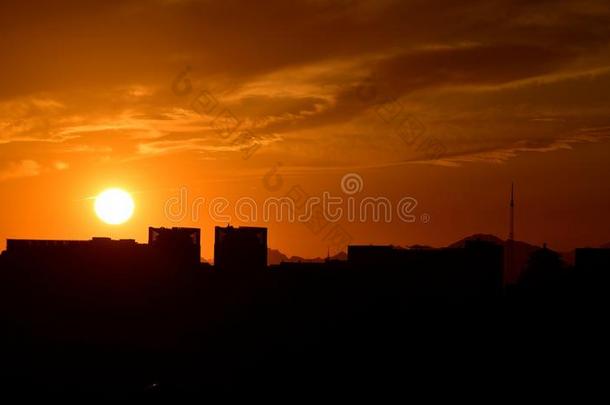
x=220, y=97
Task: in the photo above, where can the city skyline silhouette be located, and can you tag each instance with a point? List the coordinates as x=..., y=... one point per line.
x=158, y=311
x=313, y=200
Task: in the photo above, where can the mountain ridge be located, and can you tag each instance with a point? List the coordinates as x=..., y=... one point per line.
x=522, y=252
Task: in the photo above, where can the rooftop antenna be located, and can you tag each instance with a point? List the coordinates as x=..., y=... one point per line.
x=511, y=232
x=510, y=251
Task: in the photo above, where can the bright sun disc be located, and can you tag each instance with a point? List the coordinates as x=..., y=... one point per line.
x=114, y=206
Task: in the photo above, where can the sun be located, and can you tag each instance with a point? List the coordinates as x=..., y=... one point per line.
x=114, y=206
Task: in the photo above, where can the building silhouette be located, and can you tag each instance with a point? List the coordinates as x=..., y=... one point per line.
x=168, y=247
x=103, y=290
x=475, y=270
x=593, y=268
x=592, y=259
x=182, y=245
x=240, y=248
x=117, y=315
x=51, y=253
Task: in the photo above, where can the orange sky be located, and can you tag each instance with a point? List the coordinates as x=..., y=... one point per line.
x=152, y=96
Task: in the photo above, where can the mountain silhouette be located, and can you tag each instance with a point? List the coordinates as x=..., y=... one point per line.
x=522, y=251
x=275, y=257
x=477, y=236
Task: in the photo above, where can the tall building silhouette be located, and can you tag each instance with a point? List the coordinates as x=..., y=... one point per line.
x=511, y=233
x=240, y=248
x=180, y=244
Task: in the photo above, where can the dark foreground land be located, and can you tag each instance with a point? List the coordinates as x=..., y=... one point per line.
x=308, y=331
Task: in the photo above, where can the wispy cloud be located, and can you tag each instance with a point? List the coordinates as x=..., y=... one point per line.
x=24, y=168
x=492, y=79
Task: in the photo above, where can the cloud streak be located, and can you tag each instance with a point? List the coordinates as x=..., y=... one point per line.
x=305, y=78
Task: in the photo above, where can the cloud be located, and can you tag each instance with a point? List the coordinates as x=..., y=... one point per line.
x=61, y=165
x=29, y=168
x=304, y=78
x=23, y=168
x=502, y=154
